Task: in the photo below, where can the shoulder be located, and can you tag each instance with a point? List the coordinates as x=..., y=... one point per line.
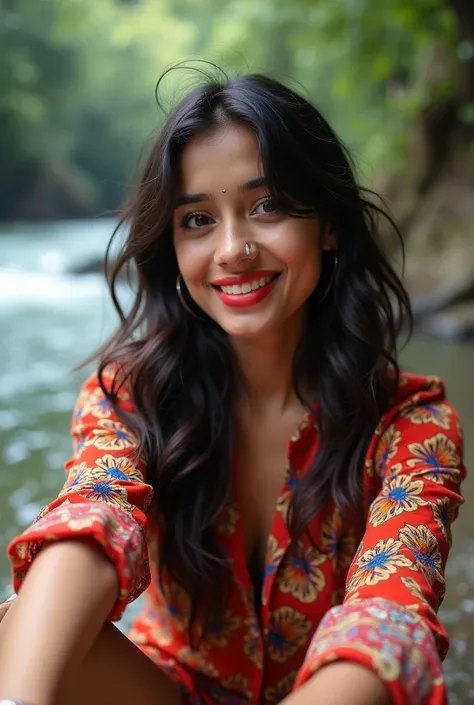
x=419, y=398
x=420, y=415
x=419, y=388
x=106, y=388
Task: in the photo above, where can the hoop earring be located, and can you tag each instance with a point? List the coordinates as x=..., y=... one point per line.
x=331, y=280
x=184, y=304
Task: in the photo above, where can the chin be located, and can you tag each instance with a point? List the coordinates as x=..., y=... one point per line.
x=247, y=330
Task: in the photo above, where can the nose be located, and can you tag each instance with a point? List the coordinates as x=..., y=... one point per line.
x=230, y=239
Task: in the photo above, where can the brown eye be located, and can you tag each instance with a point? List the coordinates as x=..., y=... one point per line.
x=195, y=221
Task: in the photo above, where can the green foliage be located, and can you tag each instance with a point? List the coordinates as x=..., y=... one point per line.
x=77, y=77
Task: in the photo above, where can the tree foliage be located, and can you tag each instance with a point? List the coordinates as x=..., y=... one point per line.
x=77, y=77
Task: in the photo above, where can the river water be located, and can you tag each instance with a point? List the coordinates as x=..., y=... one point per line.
x=50, y=321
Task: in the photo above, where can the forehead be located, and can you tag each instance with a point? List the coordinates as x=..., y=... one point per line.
x=219, y=159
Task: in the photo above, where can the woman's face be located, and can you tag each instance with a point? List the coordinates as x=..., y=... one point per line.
x=223, y=204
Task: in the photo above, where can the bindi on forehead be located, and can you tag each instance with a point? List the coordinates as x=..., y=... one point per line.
x=250, y=185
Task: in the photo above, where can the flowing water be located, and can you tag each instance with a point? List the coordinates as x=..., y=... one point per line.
x=51, y=320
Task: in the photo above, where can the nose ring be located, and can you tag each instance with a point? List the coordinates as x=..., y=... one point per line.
x=251, y=250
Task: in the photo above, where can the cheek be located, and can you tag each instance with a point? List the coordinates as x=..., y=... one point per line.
x=191, y=261
x=303, y=261
x=193, y=264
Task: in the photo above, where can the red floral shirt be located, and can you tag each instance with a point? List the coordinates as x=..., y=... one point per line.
x=373, y=602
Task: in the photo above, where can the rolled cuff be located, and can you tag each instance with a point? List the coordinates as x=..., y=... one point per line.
x=387, y=638
x=116, y=531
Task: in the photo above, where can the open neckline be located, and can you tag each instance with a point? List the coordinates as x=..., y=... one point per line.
x=258, y=590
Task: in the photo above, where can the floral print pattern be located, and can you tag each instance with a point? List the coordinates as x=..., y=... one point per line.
x=399, y=495
x=438, y=454
x=329, y=597
x=379, y=563
x=339, y=546
x=288, y=630
x=437, y=414
x=301, y=575
x=425, y=549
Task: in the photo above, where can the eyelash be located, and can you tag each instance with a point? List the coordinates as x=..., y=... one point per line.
x=186, y=218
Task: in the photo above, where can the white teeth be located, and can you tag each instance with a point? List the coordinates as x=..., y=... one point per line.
x=246, y=288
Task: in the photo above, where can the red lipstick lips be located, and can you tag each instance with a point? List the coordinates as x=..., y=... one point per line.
x=245, y=289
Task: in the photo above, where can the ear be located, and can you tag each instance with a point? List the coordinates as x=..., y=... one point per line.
x=330, y=240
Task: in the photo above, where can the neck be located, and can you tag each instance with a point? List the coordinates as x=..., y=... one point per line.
x=266, y=367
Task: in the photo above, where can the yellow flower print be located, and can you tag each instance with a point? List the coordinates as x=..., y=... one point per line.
x=280, y=690
x=301, y=575
x=153, y=627
x=97, y=404
x=252, y=642
x=102, y=489
x=112, y=435
x=227, y=521
x=21, y=551
x=434, y=384
x=444, y=513
x=425, y=549
x=284, y=501
x=196, y=662
x=220, y=637
x=369, y=467
x=338, y=545
x=413, y=587
x=273, y=556
x=439, y=456
x=386, y=448
x=238, y=683
x=402, y=494
x=379, y=563
x=118, y=468
x=354, y=596
x=75, y=476
x=437, y=414
x=288, y=631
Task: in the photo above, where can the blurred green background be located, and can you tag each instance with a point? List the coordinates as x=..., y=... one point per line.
x=77, y=114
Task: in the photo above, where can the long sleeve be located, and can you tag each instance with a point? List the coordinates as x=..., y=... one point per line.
x=105, y=497
x=395, y=584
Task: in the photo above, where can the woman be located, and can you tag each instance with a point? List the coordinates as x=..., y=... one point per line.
x=305, y=570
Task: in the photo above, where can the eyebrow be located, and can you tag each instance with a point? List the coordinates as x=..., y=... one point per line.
x=188, y=198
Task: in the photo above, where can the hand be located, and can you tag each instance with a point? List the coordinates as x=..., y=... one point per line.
x=5, y=606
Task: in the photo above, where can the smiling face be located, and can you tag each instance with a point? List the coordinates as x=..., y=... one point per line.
x=224, y=204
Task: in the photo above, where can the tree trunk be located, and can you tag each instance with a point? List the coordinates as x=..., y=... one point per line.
x=433, y=200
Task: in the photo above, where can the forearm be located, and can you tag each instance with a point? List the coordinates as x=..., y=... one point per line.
x=63, y=604
x=341, y=683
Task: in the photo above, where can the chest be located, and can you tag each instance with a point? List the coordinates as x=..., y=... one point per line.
x=262, y=468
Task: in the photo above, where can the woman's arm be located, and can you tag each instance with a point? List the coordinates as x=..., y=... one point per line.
x=388, y=622
x=64, y=602
x=342, y=682
x=85, y=556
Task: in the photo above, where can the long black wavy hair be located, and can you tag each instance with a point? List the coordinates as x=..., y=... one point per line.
x=181, y=371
